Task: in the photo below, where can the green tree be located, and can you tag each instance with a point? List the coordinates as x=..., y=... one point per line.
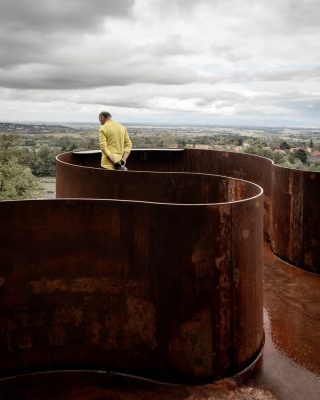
x=17, y=182
x=182, y=143
x=284, y=146
x=30, y=142
x=8, y=141
x=278, y=158
x=302, y=155
x=257, y=150
x=66, y=143
x=43, y=163
x=240, y=142
x=295, y=164
x=168, y=140
x=92, y=144
x=7, y=147
x=311, y=144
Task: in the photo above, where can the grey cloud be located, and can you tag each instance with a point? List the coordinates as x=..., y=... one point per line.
x=173, y=45
x=38, y=76
x=140, y=70
x=220, y=99
x=230, y=53
x=73, y=52
x=46, y=15
x=287, y=15
x=185, y=6
x=296, y=100
x=280, y=74
x=287, y=74
x=17, y=49
x=109, y=102
x=218, y=104
x=303, y=14
x=34, y=30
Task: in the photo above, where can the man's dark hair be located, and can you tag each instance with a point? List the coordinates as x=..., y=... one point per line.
x=106, y=114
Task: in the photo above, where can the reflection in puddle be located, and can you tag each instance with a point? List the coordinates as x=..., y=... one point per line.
x=291, y=364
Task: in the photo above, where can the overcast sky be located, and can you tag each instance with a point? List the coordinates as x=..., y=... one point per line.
x=161, y=61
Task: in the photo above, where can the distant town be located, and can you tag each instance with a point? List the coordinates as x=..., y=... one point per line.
x=34, y=128
x=7, y=127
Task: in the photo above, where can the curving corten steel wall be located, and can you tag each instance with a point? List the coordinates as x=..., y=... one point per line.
x=237, y=165
x=143, y=283
x=296, y=220
x=73, y=181
x=291, y=199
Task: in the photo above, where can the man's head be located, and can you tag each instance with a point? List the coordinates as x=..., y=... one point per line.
x=104, y=116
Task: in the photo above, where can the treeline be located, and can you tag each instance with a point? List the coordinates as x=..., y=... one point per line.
x=294, y=152
x=297, y=154
x=38, y=153
x=25, y=158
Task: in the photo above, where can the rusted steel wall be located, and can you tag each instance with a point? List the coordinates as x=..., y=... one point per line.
x=74, y=181
x=295, y=213
x=287, y=214
x=291, y=197
x=145, y=288
x=140, y=159
x=157, y=160
x=291, y=201
x=237, y=165
x=311, y=220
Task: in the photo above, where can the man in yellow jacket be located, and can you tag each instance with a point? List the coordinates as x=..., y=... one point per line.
x=114, y=141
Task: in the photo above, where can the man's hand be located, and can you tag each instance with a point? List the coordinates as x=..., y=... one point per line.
x=120, y=166
x=111, y=158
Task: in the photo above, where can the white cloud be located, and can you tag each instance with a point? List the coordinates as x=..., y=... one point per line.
x=212, y=59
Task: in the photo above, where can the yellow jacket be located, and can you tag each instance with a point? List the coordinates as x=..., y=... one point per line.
x=113, y=139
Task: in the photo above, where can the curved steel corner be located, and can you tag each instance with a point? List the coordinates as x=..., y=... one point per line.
x=291, y=197
x=150, y=273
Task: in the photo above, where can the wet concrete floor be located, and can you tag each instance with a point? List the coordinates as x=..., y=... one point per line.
x=288, y=370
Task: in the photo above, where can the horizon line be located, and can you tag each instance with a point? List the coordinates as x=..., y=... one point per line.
x=191, y=124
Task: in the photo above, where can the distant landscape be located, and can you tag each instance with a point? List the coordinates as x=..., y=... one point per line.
x=27, y=151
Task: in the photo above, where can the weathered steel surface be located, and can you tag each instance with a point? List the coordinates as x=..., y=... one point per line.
x=311, y=221
x=134, y=286
x=247, y=278
x=73, y=181
x=291, y=199
x=171, y=290
x=140, y=159
x=295, y=217
x=237, y=165
x=290, y=368
x=157, y=160
x=287, y=214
